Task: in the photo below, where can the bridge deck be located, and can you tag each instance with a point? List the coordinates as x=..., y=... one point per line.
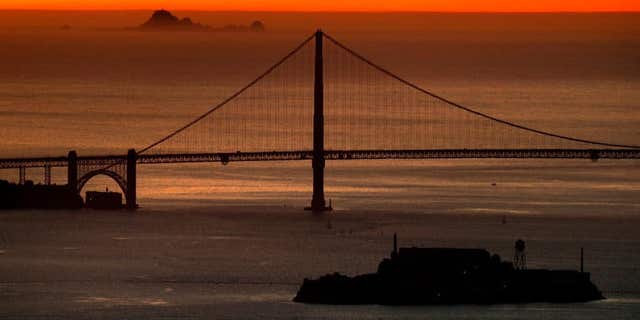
x=336, y=155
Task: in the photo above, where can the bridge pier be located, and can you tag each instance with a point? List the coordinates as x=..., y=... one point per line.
x=22, y=175
x=318, y=203
x=72, y=171
x=47, y=174
x=132, y=158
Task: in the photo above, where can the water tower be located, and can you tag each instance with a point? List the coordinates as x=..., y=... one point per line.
x=520, y=257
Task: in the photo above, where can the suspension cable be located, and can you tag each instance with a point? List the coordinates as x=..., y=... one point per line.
x=232, y=97
x=467, y=109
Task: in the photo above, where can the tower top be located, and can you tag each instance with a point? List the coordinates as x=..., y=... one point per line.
x=394, y=253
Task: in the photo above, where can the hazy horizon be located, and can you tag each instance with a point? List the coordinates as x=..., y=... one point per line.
x=326, y=11
x=499, y=22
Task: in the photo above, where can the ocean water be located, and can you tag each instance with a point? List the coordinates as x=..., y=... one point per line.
x=213, y=241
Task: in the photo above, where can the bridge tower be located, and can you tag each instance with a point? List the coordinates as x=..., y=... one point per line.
x=132, y=158
x=520, y=257
x=22, y=175
x=318, y=203
x=47, y=174
x=72, y=170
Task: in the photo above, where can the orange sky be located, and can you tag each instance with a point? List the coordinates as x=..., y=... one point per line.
x=334, y=5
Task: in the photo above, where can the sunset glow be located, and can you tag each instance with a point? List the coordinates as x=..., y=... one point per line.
x=335, y=5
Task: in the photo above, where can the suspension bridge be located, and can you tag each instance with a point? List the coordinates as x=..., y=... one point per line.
x=324, y=101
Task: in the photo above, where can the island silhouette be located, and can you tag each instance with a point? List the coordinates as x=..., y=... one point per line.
x=165, y=21
x=420, y=276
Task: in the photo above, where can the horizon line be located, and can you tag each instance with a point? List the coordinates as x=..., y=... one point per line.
x=323, y=11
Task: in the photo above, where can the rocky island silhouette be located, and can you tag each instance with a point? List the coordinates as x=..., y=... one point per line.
x=163, y=20
x=422, y=276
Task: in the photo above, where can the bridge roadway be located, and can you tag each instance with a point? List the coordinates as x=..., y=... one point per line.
x=593, y=154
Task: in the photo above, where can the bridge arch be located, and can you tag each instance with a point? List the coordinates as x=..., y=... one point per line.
x=122, y=183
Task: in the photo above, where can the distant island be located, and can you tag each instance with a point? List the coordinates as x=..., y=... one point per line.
x=447, y=276
x=165, y=21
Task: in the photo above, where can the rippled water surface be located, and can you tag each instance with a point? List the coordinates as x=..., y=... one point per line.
x=214, y=241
